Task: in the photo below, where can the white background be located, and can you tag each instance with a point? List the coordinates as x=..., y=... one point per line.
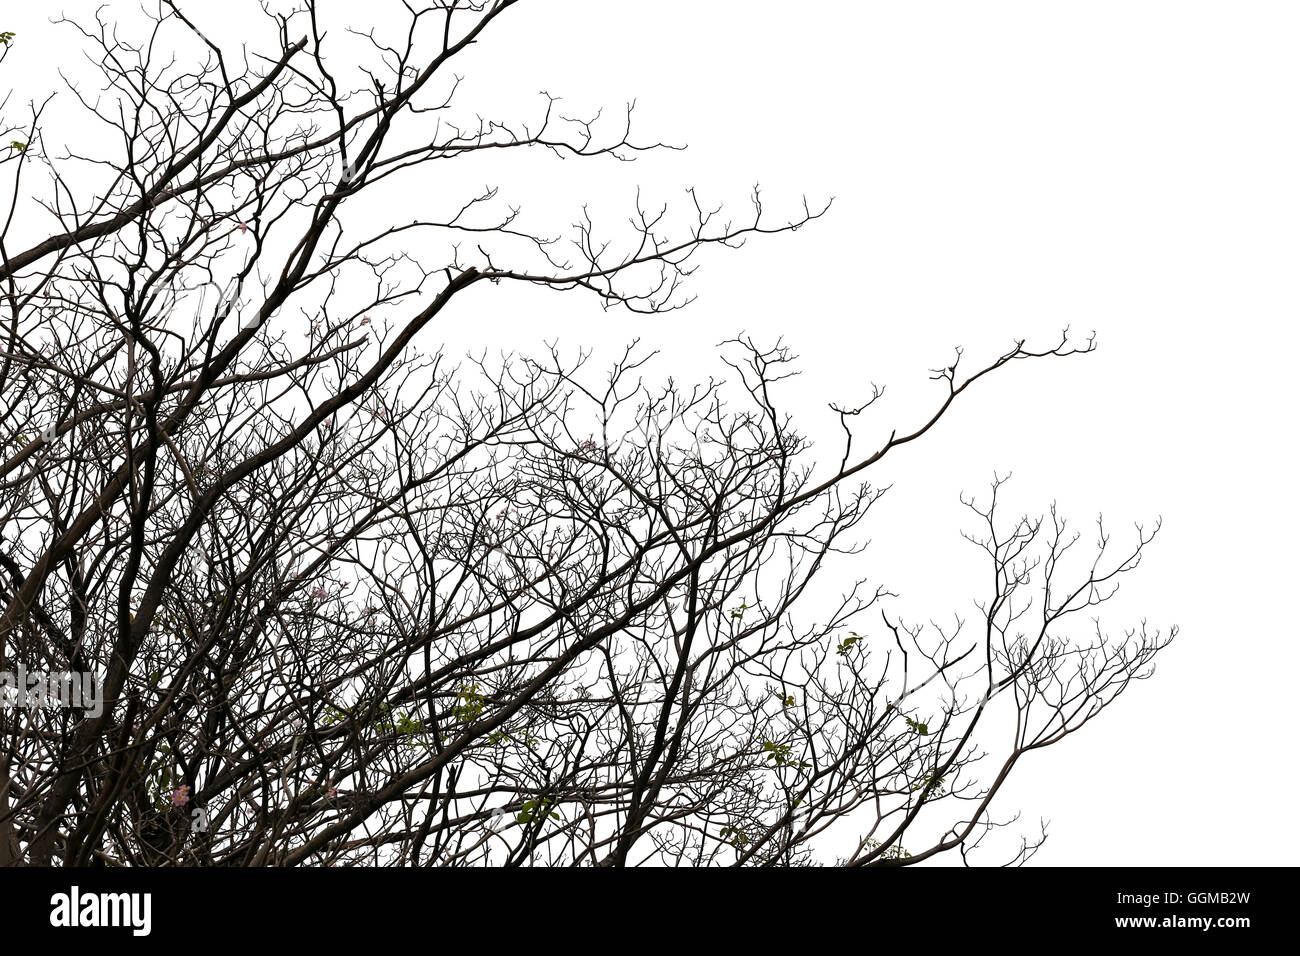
x=1000, y=170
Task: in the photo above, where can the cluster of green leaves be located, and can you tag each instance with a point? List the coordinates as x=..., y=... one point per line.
x=938, y=789
x=843, y=646
x=7, y=37
x=400, y=723
x=160, y=780
x=779, y=754
x=894, y=852
x=469, y=705
x=168, y=619
x=734, y=835
x=538, y=809
x=388, y=722
x=501, y=736
x=333, y=715
x=918, y=726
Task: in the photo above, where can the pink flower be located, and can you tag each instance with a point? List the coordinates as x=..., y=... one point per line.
x=333, y=791
x=366, y=320
x=243, y=227
x=320, y=594
x=181, y=795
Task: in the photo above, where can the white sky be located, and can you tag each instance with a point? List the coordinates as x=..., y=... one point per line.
x=1001, y=170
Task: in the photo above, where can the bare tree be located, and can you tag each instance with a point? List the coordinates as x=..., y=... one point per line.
x=352, y=603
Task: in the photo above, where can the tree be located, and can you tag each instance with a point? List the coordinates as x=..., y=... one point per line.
x=352, y=604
